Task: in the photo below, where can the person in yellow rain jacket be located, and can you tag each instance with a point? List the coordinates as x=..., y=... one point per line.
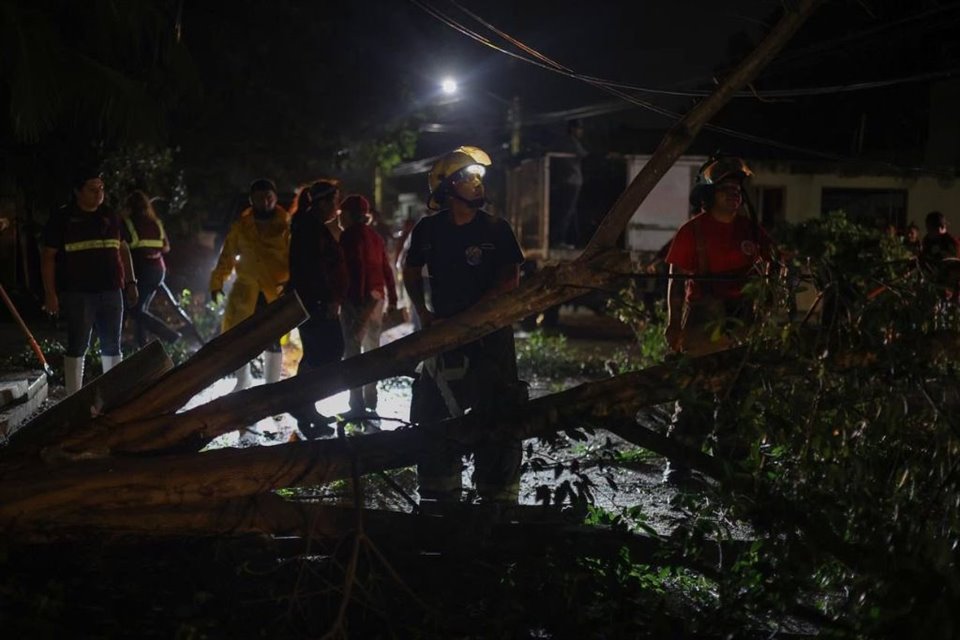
x=257, y=247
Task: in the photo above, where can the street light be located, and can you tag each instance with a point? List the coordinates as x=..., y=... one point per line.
x=448, y=86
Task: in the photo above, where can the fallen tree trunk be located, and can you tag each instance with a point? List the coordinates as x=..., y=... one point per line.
x=523, y=531
x=231, y=473
x=193, y=429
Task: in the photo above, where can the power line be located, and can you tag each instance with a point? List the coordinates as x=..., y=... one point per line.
x=693, y=93
x=544, y=62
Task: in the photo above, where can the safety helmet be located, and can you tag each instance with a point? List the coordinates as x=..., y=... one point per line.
x=448, y=166
x=718, y=169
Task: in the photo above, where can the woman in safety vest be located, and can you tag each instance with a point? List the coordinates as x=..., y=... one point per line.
x=147, y=239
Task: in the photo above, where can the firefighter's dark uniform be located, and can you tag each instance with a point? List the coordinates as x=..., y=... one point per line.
x=481, y=377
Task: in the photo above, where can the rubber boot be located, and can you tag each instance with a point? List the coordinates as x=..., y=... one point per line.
x=272, y=366
x=109, y=362
x=244, y=379
x=73, y=374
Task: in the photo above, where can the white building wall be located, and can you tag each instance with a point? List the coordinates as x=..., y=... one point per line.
x=802, y=192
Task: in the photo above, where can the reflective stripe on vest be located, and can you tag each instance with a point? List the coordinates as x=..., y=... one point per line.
x=86, y=245
x=136, y=242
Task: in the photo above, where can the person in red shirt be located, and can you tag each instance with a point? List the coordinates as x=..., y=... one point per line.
x=719, y=250
x=371, y=286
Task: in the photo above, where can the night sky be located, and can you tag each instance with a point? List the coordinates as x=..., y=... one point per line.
x=312, y=79
x=295, y=90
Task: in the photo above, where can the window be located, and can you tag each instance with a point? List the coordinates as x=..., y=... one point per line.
x=771, y=203
x=869, y=207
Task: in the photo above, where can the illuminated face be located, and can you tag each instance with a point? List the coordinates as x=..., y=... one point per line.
x=90, y=195
x=263, y=201
x=468, y=182
x=728, y=196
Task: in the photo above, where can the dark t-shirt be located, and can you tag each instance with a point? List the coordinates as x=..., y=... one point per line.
x=935, y=254
x=462, y=260
x=318, y=272
x=88, y=249
x=934, y=249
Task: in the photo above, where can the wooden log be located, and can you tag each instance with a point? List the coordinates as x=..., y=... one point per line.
x=231, y=473
x=74, y=414
x=193, y=429
x=523, y=530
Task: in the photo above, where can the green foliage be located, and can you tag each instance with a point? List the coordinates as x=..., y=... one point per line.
x=207, y=316
x=153, y=171
x=647, y=326
x=384, y=151
x=857, y=455
x=541, y=354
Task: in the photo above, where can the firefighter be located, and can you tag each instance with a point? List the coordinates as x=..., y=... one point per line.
x=147, y=239
x=257, y=247
x=722, y=249
x=469, y=256
x=87, y=272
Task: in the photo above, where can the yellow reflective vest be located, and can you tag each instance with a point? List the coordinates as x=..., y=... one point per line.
x=260, y=254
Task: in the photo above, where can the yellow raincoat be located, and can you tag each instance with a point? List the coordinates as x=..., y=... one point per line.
x=260, y=253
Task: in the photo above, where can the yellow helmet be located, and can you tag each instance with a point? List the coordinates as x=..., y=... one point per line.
x=449, y=165
x=718, y=169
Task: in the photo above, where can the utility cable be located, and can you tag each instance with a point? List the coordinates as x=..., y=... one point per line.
x=694, y=93
x=545, y=62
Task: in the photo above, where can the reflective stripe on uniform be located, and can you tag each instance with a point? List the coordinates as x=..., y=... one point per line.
x=147, y=244
x=443, y=375
x=136, y=242
x=86, y=245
